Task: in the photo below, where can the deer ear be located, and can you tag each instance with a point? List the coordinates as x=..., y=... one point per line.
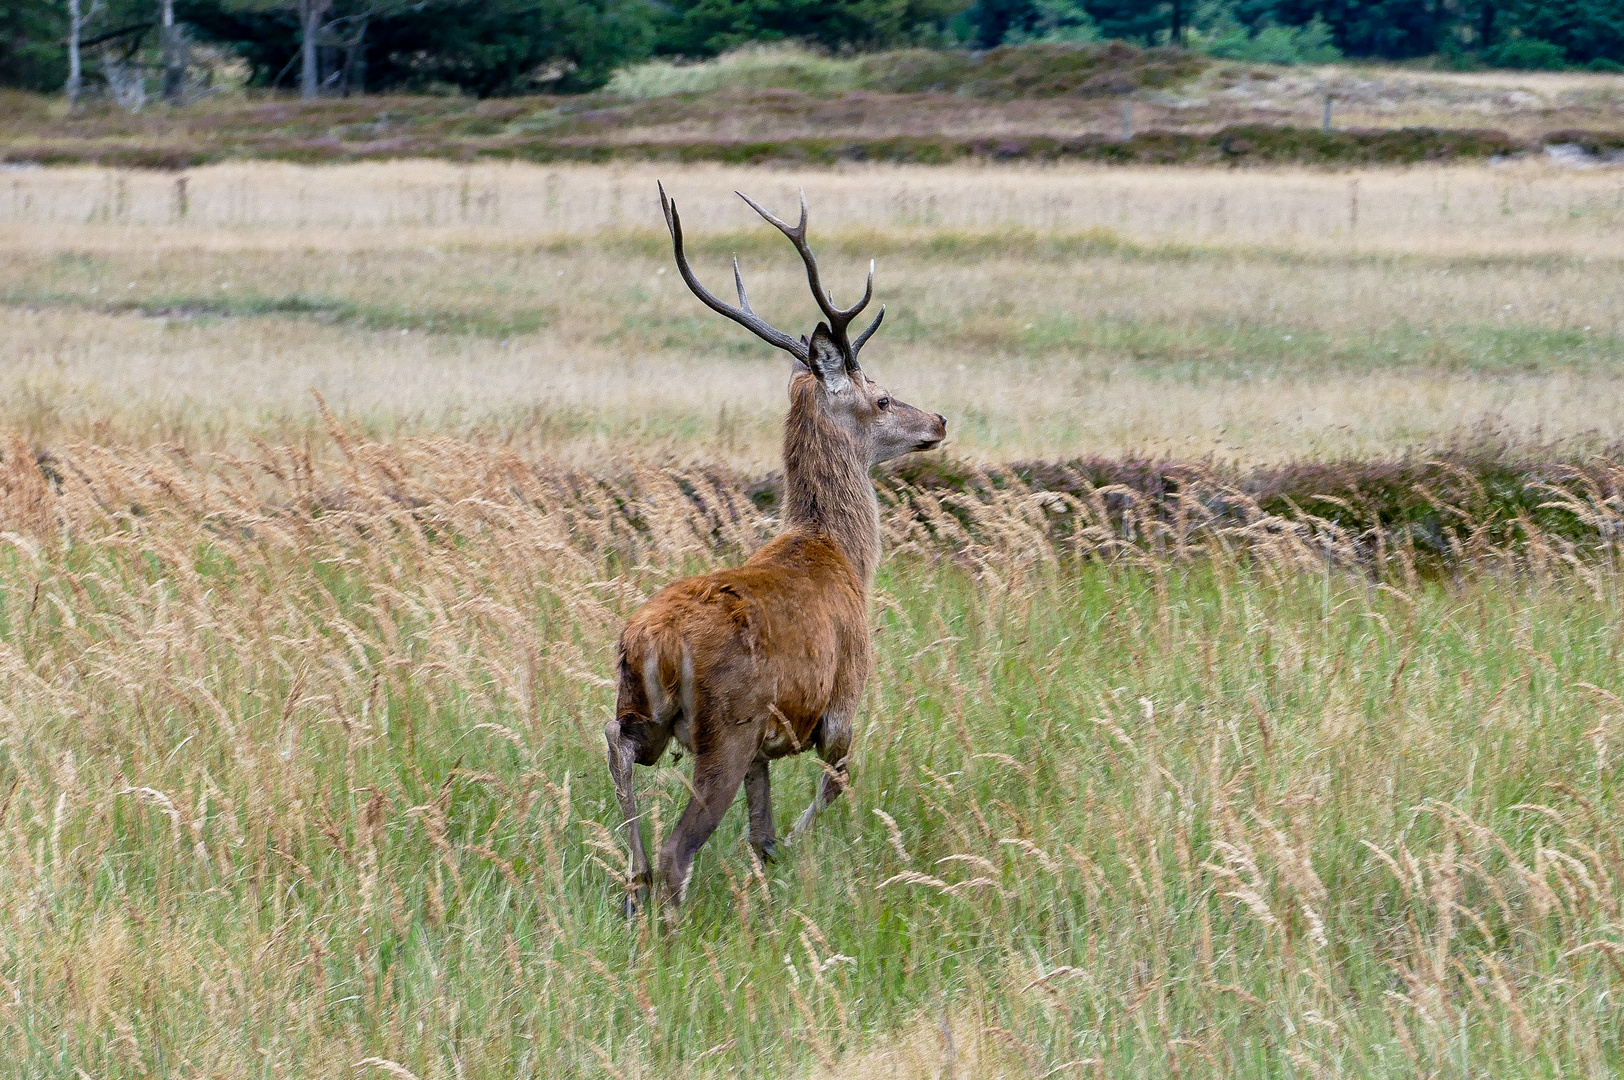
x=826, y=361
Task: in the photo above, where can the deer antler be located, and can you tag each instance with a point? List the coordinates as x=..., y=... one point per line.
x=743, y=314
x=839, y=318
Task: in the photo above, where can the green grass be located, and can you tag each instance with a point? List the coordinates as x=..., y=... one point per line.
x=504, y=293
x=1227, y=349
x=1205, y=349
x=918, y=235
x=296, y=305
x=283, y=793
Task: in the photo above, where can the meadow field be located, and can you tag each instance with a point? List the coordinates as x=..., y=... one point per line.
x=324, y=494
x=1249, y=316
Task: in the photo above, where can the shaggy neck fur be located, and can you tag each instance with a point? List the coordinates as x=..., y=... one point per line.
x=826, y=482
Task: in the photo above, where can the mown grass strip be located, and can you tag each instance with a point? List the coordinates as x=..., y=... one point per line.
x=1210, y=349
x=316, y=308
x=924, y=239
x=1192, y=351
x=1218, y=349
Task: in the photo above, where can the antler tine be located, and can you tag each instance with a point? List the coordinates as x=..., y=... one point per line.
x=797, y=234
x=745, y=317
x=857, y=346
x=839, y=318
x=868, y=294
x=738, y=283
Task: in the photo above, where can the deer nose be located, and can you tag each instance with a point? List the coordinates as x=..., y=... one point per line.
x=942, y=420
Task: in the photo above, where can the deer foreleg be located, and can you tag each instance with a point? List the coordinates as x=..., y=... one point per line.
x=758, y=792
x=622, y=753
x=834, y=744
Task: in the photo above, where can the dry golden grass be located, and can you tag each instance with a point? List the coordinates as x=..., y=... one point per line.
x=128, y=380
x=1524, y=103
x=1521, y=209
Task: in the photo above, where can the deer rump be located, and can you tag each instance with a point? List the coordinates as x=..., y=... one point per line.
x=744, y=663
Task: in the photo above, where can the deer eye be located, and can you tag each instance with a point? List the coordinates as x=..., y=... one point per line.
x=883, y=403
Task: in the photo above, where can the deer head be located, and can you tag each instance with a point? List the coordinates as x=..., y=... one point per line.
x=826, y=378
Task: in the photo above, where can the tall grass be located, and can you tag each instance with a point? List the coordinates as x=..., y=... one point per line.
x=300, y=774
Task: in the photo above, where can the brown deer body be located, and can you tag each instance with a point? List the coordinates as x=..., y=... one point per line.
x=770, y=658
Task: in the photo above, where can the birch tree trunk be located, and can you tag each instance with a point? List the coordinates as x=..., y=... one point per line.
x=76, y=74
x=174, y=65
x=310, y=16
x=355, y=64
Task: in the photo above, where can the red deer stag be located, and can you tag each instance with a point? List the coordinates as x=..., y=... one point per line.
x=769, y=658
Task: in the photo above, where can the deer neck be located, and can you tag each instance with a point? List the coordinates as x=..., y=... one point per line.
x=827, y=486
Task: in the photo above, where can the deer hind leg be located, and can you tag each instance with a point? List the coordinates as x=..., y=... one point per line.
x=622, y=753
x=758, y=792
x=834, y=744
x=632, y=740
x=718, y=772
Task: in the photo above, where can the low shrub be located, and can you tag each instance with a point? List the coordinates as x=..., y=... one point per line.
x=1036, y=69
x=1595, y=143
x=1287, y=45
x=1252, y=144
x=1527, y=54
x=1441, y=508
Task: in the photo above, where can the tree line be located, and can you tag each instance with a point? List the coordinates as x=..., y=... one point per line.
x=494, y=47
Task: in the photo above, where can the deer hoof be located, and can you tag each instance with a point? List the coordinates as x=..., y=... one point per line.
x=768, y=852
x=631, y=905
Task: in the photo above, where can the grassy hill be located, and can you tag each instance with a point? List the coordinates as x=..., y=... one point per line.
x=1031, y=102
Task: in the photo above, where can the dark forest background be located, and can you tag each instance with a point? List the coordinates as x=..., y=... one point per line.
x=496, y=47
